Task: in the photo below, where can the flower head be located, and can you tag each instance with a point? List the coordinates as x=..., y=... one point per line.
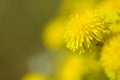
x=52, y=36
x=85, y=28
x=68, y=6
x=112, y=9
x=110, y=57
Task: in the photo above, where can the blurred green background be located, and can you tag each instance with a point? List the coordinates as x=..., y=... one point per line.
x=21, y=22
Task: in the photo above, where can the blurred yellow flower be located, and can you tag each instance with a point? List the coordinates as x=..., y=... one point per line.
x=68, y=6
x=33, y=76
x=110, y=57
x=85, y=28
x=52, y=36
x=77, y=67
x=112, y=9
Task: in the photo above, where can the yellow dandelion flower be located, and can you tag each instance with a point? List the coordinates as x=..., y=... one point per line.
x=68, y=6
x=110, y=57
x=112, y=9
x=77, y=67
x=52, y=36
x=33, y=76
x=85, y=28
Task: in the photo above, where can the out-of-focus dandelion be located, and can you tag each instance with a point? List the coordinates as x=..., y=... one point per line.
x=53, y=34
x=85, y=28
x=110, y=57
x=112, y=9
x=77, y=67
x=68, y=6
x=33, y=76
